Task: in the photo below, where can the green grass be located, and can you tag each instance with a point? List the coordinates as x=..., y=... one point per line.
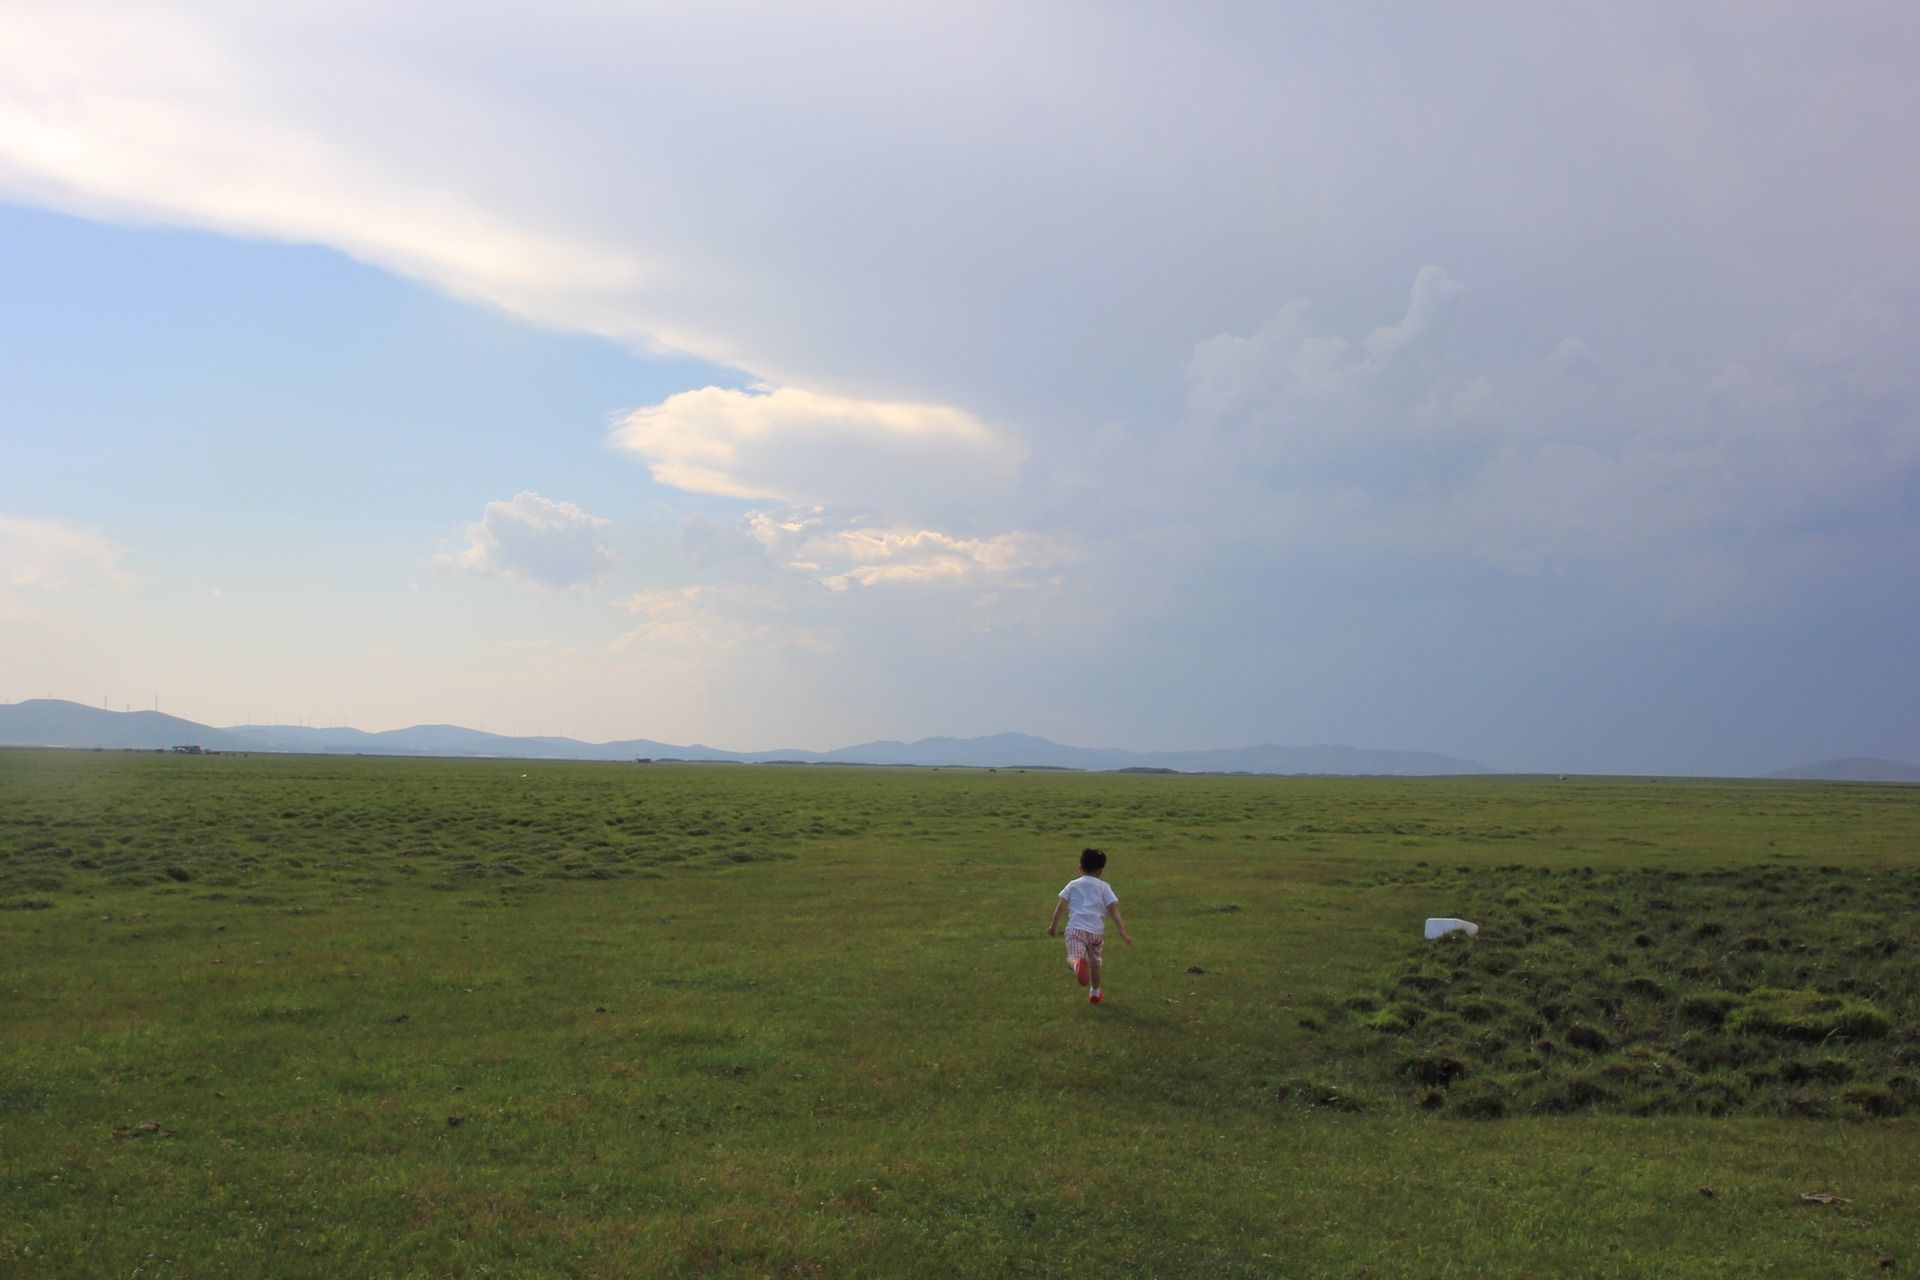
x=1764, y=990
x=805, y=1021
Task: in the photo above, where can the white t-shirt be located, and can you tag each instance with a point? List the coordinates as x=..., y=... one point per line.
x=1087, y=901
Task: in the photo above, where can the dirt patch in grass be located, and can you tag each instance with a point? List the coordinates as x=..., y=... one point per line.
x=1771, y=990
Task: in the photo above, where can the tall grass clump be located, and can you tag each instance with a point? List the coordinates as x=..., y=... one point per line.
x=1649, y=993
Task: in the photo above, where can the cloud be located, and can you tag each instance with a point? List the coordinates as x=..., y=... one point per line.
x=1700, y=496
x=129, y=112
x=815, y=589
x=1819, y=433
x=710, y=631
x=826, y=198
x=840, y=555
x=1016, y=331
x=678, y=617
x=842, y=552
x=805, y=447
x=1833, y=418
x=62, y=589
x=534, y=540
x=1286, y=399
x=47, y=557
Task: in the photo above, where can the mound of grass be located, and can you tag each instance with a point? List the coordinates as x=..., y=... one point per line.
x=1807, y=1015
x=1647, y=992
x=82, y=823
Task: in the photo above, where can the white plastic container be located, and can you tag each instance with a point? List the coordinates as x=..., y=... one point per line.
x=1441, y=926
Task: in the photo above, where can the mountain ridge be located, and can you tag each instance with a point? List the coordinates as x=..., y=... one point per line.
x=56, y=722
x=1852, y=769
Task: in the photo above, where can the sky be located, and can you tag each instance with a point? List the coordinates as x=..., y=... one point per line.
x=1528, y=383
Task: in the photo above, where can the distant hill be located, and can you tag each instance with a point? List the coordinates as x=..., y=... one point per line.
x=52, y=722
x=453, y=740
x=419, y=740
x=1853, y=769
x=1015, y=749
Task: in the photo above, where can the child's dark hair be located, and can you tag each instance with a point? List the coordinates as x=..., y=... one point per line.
x=1092, y=860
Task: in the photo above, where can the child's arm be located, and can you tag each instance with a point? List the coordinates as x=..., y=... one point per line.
x=1059, y=909
x=1113, y=909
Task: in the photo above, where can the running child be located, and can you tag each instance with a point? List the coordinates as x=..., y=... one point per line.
x=1087, y=901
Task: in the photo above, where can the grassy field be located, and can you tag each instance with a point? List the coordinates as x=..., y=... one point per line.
x=308, y=1016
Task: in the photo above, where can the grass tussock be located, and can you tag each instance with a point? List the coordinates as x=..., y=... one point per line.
x=1729, y=996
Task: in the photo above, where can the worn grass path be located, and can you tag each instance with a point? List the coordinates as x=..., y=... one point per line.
x=785, y=1021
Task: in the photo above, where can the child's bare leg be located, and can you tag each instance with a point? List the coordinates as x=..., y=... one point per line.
x=1093, y=962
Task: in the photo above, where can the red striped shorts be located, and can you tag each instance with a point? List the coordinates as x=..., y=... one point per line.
x=1081, y=942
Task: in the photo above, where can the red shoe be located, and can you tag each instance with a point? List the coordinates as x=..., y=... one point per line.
x=1083, y=971
x=1093, y=997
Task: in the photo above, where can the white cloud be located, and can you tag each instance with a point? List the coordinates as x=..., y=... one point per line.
x=840, y=551
x=806, y=447
x=825, y=197
x=1833, y=418
x=1433, y=291
x=47, y=557
x=66, y=604
x=531, y=539
x=71, y=612
x=708, y=631
x=129, y=112
x=840, y=555
x=679, y=617
x=809, y=588
x=1287, y=399
x=1699, y=497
